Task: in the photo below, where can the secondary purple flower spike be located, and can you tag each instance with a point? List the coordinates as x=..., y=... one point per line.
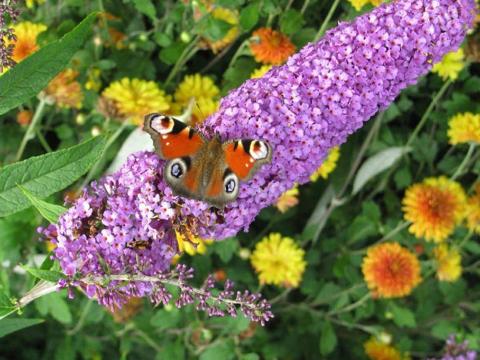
x=330, y=89
x=457, y=351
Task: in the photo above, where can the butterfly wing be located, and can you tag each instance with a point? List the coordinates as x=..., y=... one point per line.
x=171, y=137
x=180, y=145
x=244, y=157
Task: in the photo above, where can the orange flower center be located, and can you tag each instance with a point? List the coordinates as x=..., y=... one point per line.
x=437, y=205
x=23, y=49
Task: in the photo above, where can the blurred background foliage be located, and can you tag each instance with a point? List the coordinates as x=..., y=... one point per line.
x=149, y=56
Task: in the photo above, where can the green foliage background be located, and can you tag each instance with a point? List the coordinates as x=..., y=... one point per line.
x=331, y=314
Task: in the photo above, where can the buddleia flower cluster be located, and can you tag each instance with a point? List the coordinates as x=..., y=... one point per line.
x=457, y=351
x=124, y=225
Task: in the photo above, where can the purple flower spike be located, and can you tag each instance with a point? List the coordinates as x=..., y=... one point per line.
x=330, y=89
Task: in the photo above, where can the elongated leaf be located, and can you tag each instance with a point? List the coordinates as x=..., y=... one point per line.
x=47, y=275
x=328, y=339
x=51, y=212
x=8, y=326
x=31, y=75
x=46, y=174
x=376, y=164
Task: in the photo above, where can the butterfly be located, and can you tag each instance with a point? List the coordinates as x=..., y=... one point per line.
x=197, y=168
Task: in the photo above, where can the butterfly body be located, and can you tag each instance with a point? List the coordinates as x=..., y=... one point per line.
x=207, y=170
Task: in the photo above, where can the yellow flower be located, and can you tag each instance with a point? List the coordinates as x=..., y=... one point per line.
x=230, y=17
x=328, y=165
x=26, y=44
x=203, y=90
x=31, y=3
x=135, y=98
x=435, y=207
x=451, y=65
x=376, y=350
x=472, y=211
x=257, y=73
x=64, y=90
x=288, y=199
x=271, y=47
x=192, y=245
x=94, y=82
x=449, y=263
x=279, y=261
x=391, y=270
x=359, y=4
x=464, y=128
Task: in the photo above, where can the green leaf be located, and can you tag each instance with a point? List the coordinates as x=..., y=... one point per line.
x=50, y=212
x=328, y=339
x=249, y=17
x=58, y=308
x=31, y=75
x=169, y=55
x=250, y=356
x=215, y=29
x=46, y=174
x=8, y=326
x=6, y=305
x=146, y=7
x=376, y=164
x=291, y=21
x=226, y=248
x=221, y=351
x=444, y=328
x=403, y=317
x=166, y=319
x=47, y=275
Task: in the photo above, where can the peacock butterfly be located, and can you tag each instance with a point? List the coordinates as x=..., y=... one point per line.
x=208, y=170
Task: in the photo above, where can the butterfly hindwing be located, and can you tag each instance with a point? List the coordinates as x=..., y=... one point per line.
x=171, y=137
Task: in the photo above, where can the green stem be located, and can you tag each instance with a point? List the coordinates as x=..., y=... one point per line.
x=352, y=306
x=148, y=340
x=43, y=141
x=427, y=112
x=238, y=53
x=327, y=20
x=187, y=53
x=81, y=321
x=95, y=167
x=467, y=157
x=31, y=128
x=304, y=6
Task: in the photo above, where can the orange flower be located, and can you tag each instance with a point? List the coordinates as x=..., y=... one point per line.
x=272, y=47
x=24, y=117
x=391, y=270
x=377, y=350
x=434, y=207
x=26, y=44
x=65, y=90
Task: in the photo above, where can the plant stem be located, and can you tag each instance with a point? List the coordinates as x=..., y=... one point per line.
x=327, y=19
x=427, y=112
x=352, y=306
x=95, y=167
x=81, y=321
x=187, y=53
x=43, y=141
x=467, y=157
x=31, y=128
x=304, y=6
x=238, y=53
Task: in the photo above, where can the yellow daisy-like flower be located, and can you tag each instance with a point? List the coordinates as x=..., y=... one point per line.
x=449, y=263
x=464, y=128
x=64, y=90
x=359, y=4
x=451, y=65
x=279, y=261
x=26, y=44
x=329, y=164
x=271, y=47
x=192, y=245
x=288, y=199
x=472, y=211
x=203, y=90
x=435, y=207
x=377, y=350
x=230, y=17
x=31, y=3
x=134, y=98
x=391, y=270
x=258, y=73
